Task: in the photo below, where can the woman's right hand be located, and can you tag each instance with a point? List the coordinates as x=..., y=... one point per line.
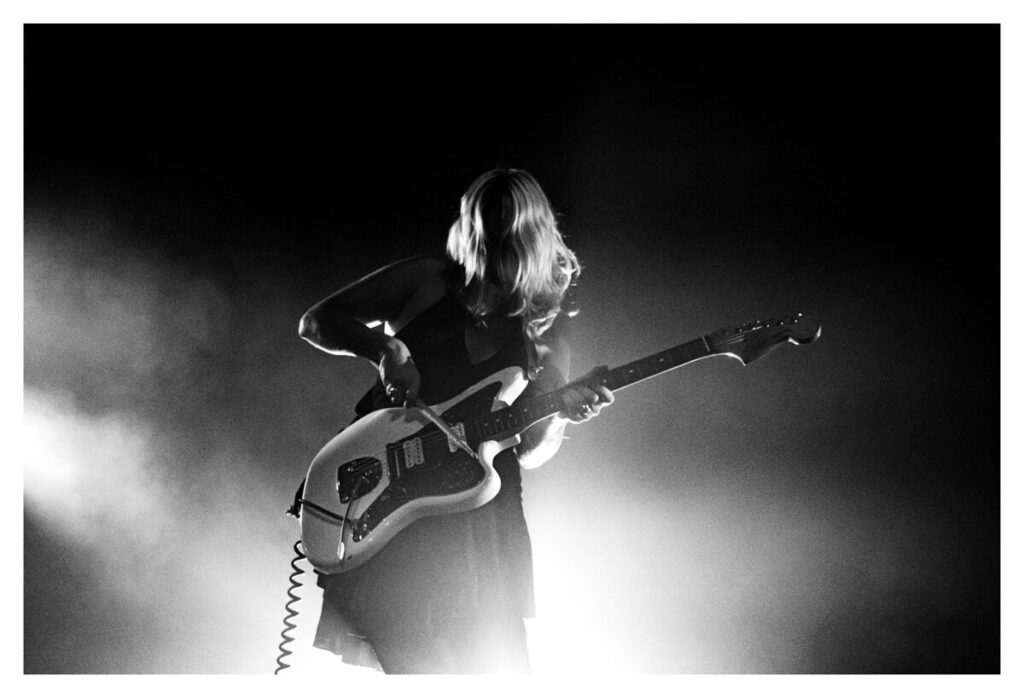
x=399, y=374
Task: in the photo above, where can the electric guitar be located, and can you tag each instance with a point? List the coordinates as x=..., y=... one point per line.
x=396, y=465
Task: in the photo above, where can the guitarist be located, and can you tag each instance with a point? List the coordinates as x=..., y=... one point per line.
x=449, y=593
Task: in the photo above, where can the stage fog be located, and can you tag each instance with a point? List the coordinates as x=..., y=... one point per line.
x=831, y=508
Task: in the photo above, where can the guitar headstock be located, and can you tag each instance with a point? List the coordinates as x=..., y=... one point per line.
x=755, y=339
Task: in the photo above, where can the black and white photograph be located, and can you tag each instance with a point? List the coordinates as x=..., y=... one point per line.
x=568, y=350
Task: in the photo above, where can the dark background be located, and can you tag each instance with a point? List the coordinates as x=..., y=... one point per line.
x=190, y=191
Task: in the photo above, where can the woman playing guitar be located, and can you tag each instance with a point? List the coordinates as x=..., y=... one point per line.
x=449, y=593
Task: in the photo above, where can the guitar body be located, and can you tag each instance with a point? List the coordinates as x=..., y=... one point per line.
x=393, y=467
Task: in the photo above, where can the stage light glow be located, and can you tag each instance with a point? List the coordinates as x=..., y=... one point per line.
x=574, y=631
x=90, y=475
x=49, y=473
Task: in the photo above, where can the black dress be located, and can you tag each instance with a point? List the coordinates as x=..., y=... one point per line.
x=449, y=593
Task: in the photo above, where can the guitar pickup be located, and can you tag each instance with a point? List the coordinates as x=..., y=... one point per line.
x=412, y=449
x=460, y=431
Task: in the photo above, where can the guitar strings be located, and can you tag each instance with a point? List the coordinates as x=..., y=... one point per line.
x=429, y=439
x=437, y=436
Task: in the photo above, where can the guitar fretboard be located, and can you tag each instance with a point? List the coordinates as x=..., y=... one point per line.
x=511, y=420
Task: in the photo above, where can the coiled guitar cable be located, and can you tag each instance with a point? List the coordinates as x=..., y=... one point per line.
x=293, y=578
x=297, y=571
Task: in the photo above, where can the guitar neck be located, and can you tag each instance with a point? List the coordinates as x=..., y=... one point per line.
x=503, y=423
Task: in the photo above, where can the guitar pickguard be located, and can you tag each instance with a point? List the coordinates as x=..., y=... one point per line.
x=426, y=464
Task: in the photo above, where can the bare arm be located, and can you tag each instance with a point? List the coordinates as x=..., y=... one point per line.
x=339, y=324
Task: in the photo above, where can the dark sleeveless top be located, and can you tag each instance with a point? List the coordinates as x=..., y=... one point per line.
x=440, y=567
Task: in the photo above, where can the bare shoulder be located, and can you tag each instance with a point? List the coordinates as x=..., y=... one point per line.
x=417, y=266
x=386, y=294
x=424, y=279
x=408, y=273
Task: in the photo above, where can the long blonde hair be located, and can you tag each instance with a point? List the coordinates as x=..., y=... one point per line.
x=507, y=244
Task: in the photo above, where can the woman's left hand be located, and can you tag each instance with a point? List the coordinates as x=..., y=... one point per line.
x=586, y=398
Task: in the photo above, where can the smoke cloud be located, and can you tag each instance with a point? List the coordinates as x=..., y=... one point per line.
x=139, y=471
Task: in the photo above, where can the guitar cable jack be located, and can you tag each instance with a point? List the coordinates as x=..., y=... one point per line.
x=290, y=612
